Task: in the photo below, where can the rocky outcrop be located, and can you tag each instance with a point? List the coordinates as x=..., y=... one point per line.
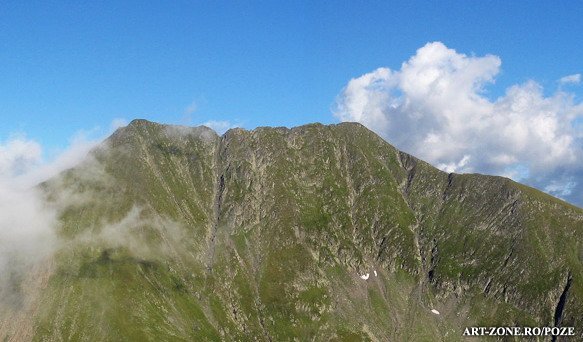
x=265, y=235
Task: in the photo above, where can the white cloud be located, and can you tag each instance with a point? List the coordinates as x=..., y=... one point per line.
x=454, y=167
x=18, y=155
x=560, y=188
x=117, y=123
x=66, y=159
x=435, y=107
x=27, y=221
x=219, y=126
x=573, y=79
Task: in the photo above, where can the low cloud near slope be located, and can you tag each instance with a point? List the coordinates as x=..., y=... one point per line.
x=27, y=222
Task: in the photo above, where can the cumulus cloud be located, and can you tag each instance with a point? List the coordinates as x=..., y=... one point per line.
x=436, y=107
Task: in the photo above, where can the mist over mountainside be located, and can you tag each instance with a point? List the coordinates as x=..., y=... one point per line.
x=315, y=232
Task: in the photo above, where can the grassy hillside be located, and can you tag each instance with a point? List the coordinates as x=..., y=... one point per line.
x=176, y=233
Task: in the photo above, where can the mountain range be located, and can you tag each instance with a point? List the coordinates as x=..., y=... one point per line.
x=274, y=234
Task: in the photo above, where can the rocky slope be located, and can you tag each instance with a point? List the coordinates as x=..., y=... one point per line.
x=176, y=233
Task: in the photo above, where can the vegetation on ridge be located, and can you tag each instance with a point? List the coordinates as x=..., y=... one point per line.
x=176, y=233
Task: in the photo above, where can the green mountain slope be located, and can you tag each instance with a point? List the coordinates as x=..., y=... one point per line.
x=176, y=233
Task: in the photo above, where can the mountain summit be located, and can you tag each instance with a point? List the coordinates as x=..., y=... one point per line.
x=310, y=233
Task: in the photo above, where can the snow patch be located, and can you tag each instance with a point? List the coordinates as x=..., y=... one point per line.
x=364, y=276
x=375, y=273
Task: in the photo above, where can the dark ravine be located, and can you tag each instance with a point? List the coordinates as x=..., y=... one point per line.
x=265, y=234
x=561, y=303
x=432, y=262
x=217, y=214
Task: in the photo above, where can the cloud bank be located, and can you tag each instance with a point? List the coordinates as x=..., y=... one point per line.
x=435, y=107
x=27, y=221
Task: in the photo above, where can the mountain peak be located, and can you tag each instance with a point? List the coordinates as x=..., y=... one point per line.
x=311, y=232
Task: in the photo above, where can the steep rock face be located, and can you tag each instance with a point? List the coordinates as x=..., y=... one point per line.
x=491, y=239
x=177, y=233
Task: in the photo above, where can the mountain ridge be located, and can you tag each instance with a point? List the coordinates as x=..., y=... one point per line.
x=358, y=125
x=265, y=233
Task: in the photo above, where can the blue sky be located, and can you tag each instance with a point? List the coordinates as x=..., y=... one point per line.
x=67, y=67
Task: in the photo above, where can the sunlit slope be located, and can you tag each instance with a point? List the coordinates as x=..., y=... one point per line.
x=175, y=233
